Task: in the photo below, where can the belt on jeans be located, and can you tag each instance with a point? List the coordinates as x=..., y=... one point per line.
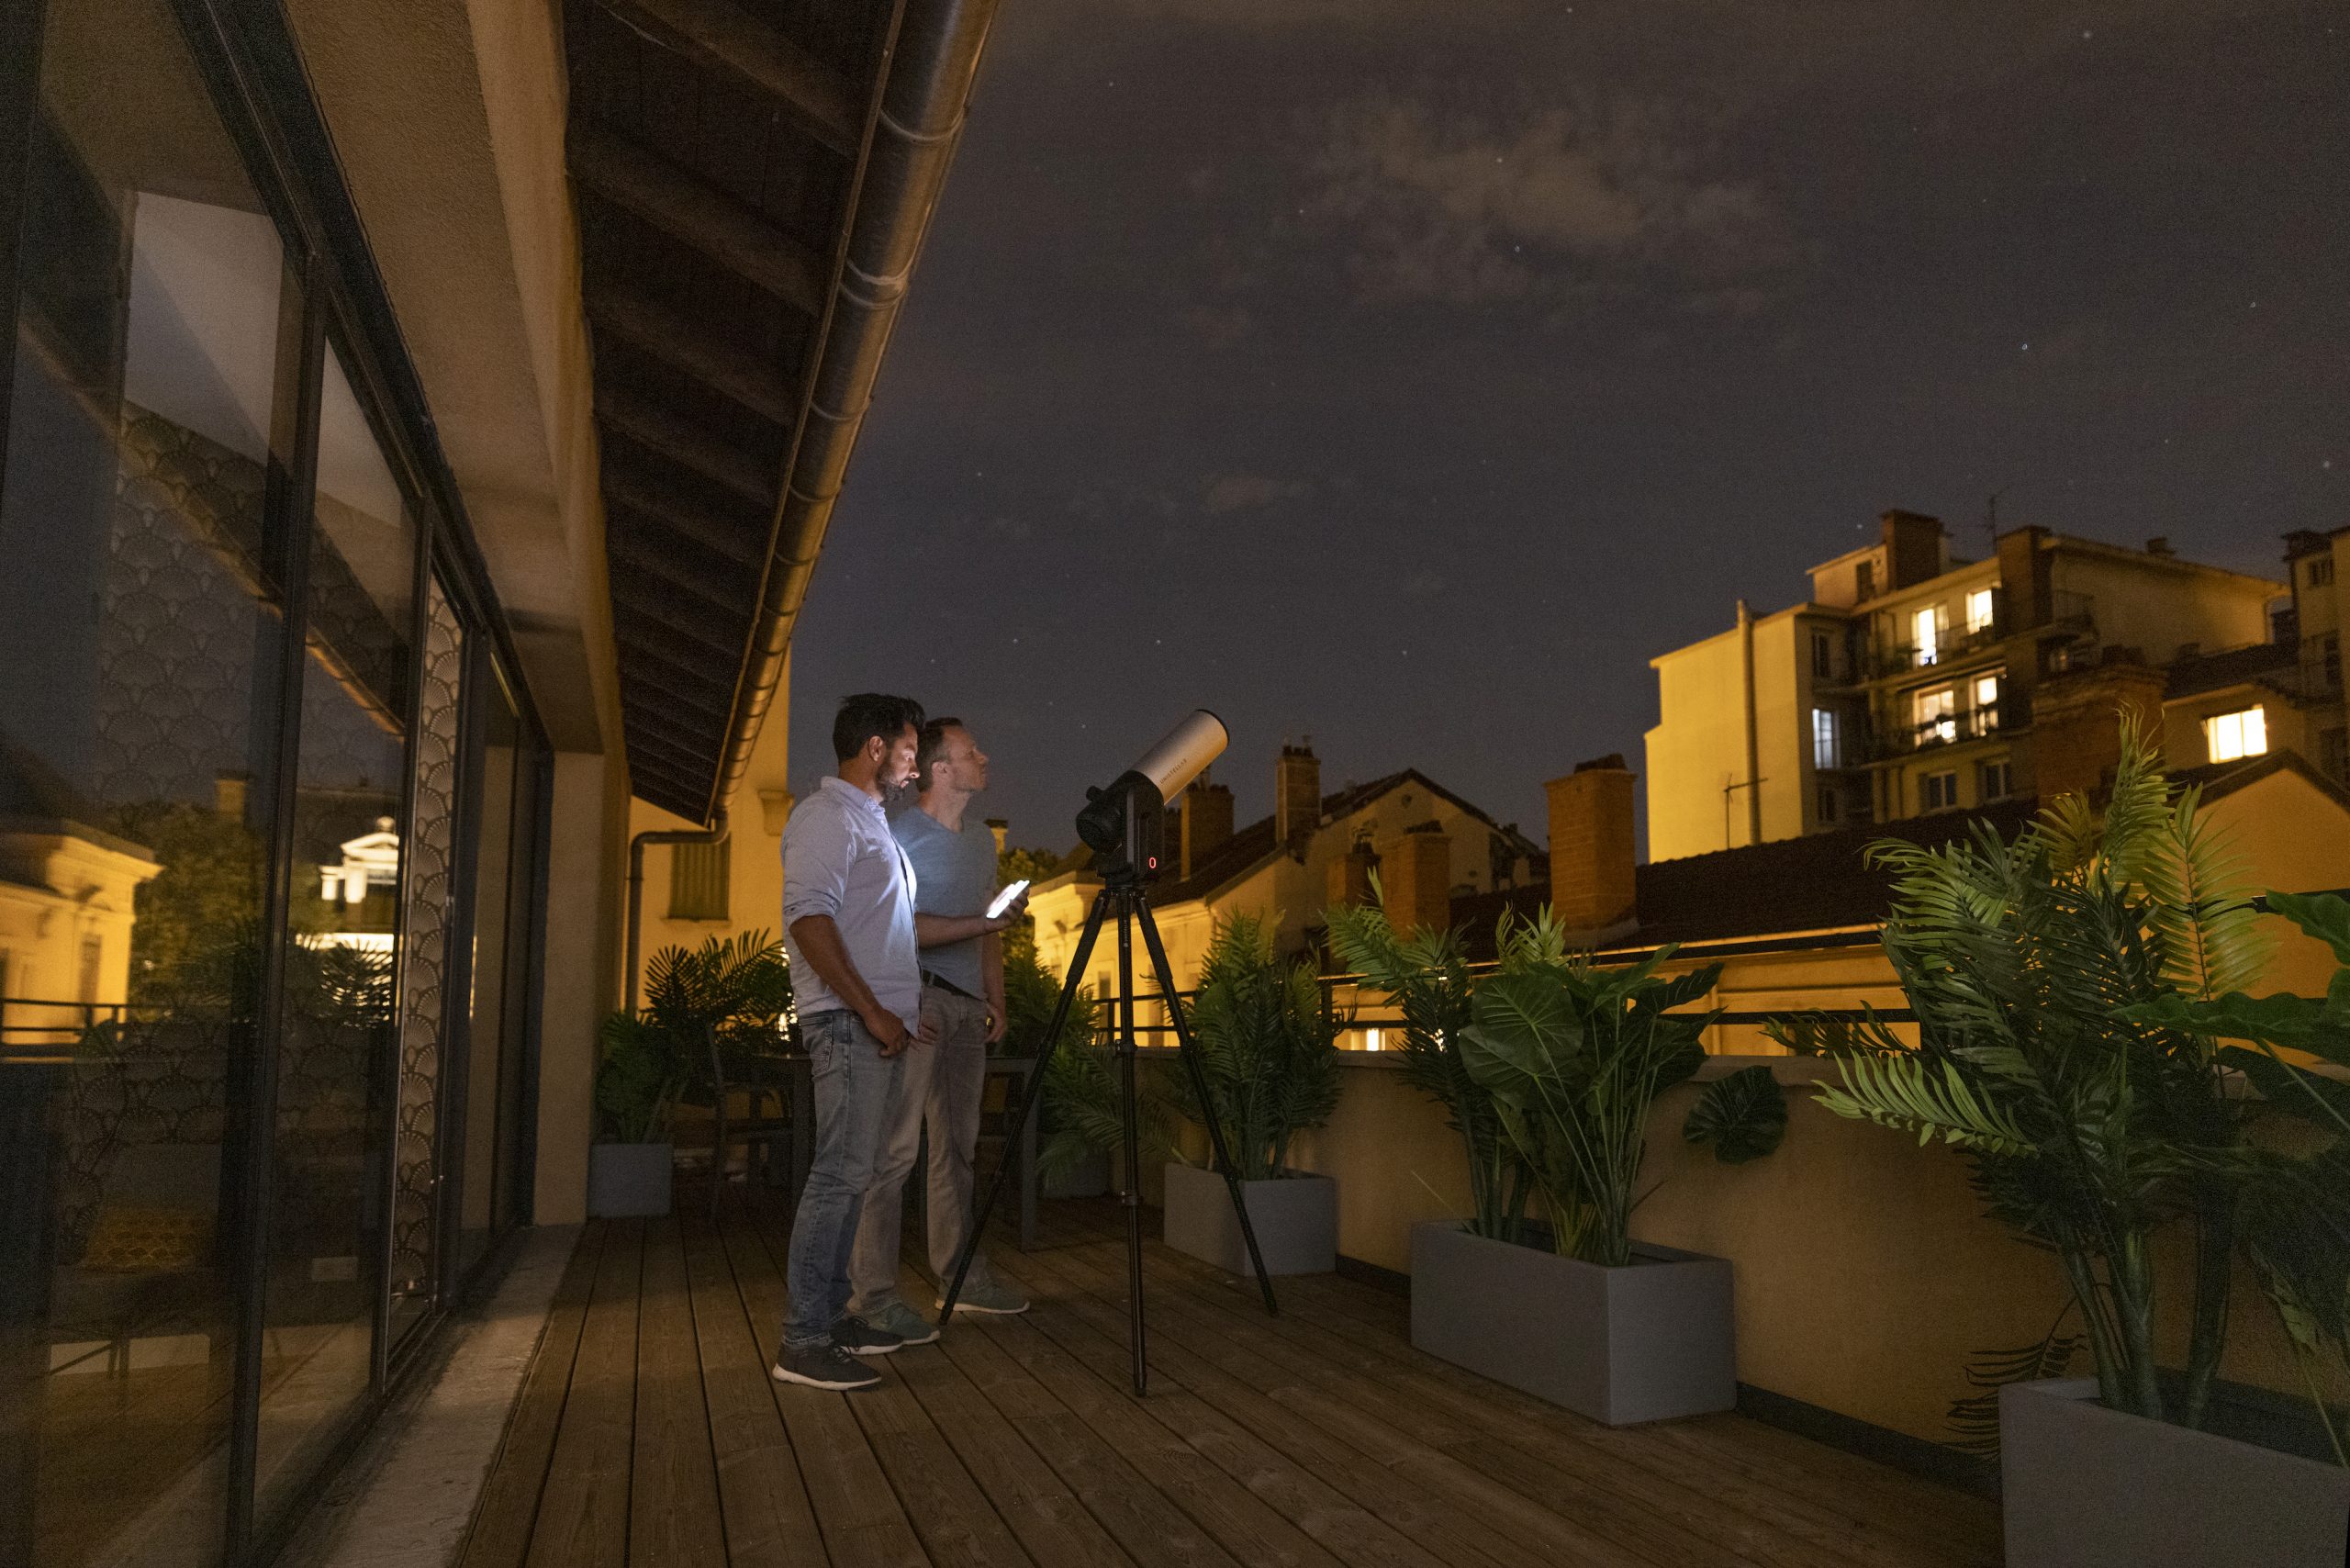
x=948, y=985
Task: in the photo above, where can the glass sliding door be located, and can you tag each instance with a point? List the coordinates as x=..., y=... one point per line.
x=141, y=615
x=336, y=1053
x=505, y=837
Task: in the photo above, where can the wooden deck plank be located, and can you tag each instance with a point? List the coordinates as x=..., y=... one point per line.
x=583, y=1512
x=1400, y=1439
x=1880, y=1517
x=863, y=1523
x=769, y=1523
x=508, y=1506
x=673, y=1517
x=1254, y=1532
x=1639, y=1462
x=1237, y=1382
x=1146, y=1526
x=1351, y=1532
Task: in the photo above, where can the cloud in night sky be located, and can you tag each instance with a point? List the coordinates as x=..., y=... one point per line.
x=1458, y=208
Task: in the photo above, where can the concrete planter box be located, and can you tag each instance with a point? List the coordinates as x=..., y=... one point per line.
x=1296, y=1220
x=1089, y=1178
x=1644, y=1342
x=630, y=1180
x=2083, y=1486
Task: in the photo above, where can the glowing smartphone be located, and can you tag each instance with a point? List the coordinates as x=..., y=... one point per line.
x=1003, y=900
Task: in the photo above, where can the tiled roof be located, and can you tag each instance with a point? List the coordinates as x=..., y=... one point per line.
x=1819, y=881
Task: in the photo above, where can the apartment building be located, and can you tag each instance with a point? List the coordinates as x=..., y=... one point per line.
x=1906, y=683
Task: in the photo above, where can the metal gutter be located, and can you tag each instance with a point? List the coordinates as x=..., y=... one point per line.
x=918, y=124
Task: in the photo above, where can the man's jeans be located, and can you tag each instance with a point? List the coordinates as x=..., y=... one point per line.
x=855, y=1087
x=942, y=1082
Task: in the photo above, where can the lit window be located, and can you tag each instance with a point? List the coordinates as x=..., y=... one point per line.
x=1372, y=1040
x=2227, y=737
x=1926, y=627
x=1937, y=715
x=1978, y=611
x=1938, y=792
x=1987, y=703
x=1827, y=743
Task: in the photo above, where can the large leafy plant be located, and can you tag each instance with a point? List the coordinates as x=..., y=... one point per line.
x=1574, y=1056
x=1266, y=1049
x=730, y=995
x=1428, y=978
x=2048, y=977
x=1550, y=1066
x=2293, y=1220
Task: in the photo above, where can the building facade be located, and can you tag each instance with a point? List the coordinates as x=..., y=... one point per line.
x=1908, y=682
x=419, y=419
x=1425, y=845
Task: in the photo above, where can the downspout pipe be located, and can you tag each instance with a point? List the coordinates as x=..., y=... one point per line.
x=1753, y=726
x=715, y=834
x=915, y=130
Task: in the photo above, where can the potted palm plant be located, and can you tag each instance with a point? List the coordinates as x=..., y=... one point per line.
x=1270, y=1061
x=728, y=995
x=2071, y=989
x=1551, y=1067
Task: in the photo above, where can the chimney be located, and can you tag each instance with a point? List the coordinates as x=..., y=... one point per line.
x=1207, y=821
x=1593, y=892
x=1350, y=876
x=2077, y=722
x=2024, y=577
x=1416, y=875
x=229, y=792
x=1002, y=828
x=2160, y=545
x=1297, y=794
x=1913, y=547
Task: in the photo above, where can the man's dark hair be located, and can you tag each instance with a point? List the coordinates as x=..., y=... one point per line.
x=926, y=749
x=871, y=713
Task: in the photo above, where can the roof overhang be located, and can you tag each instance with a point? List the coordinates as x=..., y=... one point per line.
x=753, y=187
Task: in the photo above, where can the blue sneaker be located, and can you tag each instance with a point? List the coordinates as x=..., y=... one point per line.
x=898, y=1318
x=987, y=1296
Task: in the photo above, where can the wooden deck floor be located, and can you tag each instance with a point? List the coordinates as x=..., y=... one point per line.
x=649, y=1434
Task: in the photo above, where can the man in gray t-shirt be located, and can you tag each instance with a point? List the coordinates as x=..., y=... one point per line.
x=961, y=951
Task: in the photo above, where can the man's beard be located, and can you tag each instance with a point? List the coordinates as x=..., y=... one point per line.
x=896, y=794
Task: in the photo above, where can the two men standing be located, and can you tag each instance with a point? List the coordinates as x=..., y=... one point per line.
x=865, y=909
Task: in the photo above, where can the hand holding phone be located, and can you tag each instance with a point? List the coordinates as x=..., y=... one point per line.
x=1007, y=898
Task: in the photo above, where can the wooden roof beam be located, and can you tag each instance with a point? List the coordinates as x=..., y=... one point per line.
x=680, y=204
x=635, y=493
x=718, y=36
x=681, y=344
x=685, y=444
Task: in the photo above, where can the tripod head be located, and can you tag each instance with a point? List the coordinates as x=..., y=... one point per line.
x=1124, y=821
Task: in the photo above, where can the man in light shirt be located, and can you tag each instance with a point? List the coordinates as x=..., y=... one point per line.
x=962, y=1008
x=848, y=922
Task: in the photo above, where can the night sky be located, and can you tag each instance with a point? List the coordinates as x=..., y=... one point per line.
x=1408, y=374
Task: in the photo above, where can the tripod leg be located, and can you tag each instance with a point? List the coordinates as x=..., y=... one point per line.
x=1029, y=1096
x=1191, y=1054
x=1127, y=1039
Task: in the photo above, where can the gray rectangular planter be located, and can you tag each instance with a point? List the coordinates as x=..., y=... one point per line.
x=1296, y=1219
x=629, y=1181
x=2084, y=1486
x=1644, y=1342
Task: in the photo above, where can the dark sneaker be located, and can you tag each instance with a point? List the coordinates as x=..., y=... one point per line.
x=823, y=1366
x=859, y=1337
x=988, y=1297
x=905, y=1323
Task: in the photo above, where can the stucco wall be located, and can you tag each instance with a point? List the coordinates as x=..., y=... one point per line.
x=1866, y=1275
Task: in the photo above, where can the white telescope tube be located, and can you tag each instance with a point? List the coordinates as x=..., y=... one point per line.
x=1189, y=747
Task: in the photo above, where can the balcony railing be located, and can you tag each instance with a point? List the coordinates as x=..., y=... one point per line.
x=2003, y=717
x=1901, y=658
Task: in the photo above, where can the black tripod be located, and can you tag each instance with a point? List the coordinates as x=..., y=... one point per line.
x=1122, y=891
